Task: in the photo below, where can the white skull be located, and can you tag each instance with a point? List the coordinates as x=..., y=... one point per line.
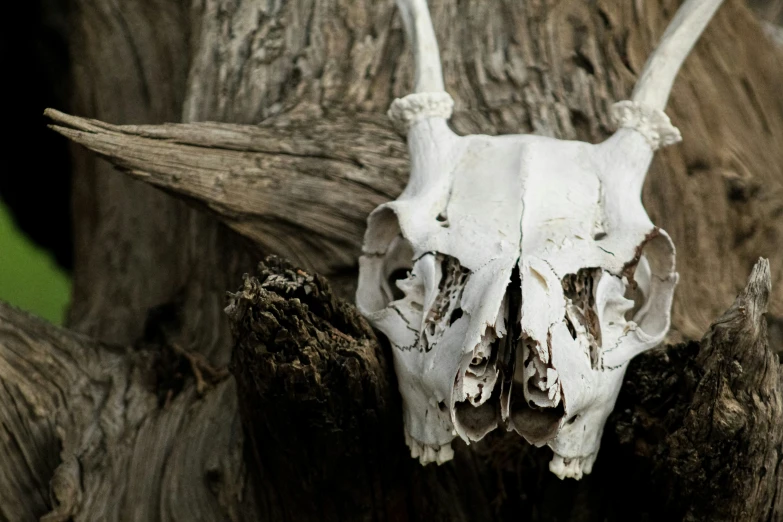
x=516, y=276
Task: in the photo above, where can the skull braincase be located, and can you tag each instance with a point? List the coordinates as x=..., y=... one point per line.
x=516, y=276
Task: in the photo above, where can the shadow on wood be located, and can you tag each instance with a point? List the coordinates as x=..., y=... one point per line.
x=694, y=425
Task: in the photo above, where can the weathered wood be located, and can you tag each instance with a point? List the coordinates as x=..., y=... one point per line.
x=726, y=457
x=320, y=405
x=122, y=434
x=694, y=427
x=128, y=64
x=98, y=432
x=36, y=369
x=151, y=272
x=553, y=70
x=770, y=10
x=707, y=419
x=317, y=400
x=299, y=188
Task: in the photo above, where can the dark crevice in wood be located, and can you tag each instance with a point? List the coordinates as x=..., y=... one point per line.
x=87, y=435
x=307, y=384
x=317, y=396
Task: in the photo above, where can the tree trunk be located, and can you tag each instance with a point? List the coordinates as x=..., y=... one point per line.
x=131, y=414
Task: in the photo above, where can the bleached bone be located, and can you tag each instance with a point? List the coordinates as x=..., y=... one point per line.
x=644, y=112
x=418, y=27
x=655, y=83
x=516, y=276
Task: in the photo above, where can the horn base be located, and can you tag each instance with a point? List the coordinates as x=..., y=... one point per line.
x=406, y=111
x=653, y=124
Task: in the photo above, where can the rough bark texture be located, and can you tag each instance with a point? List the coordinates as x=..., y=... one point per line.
x=98, y=432
x=695, y=435
x=708, y=418
x=548, y=67
x=300, y=188
x=130, y=414
x=307, y=364
x=322, y=412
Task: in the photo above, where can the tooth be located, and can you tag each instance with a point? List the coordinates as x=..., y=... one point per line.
x=573, y=468
x=445, y=454
x=428, y=455
x=557, y=466
x=415, y=448
x=587, y=464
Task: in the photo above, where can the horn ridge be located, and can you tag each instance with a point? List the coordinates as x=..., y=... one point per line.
x=421, y=35
x=655, y=83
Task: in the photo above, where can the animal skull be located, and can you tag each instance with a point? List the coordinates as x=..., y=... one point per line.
x=516, y=276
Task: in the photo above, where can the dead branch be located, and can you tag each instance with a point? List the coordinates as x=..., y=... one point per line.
x=93, y=432
x=302, y=189
x=690, y=432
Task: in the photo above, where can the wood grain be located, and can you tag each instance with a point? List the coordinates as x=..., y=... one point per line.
x=301, y=153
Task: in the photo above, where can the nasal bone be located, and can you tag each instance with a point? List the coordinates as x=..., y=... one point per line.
x=518, y=409
x=508, y=348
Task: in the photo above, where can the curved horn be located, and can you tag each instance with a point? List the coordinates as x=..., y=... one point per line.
x=655, y=83
x=429, y=100
x=418, y=26
x=422, y=115
x=644, y=112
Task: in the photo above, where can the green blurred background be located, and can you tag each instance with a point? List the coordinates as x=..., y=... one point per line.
x=29, y=277
x=36, y=243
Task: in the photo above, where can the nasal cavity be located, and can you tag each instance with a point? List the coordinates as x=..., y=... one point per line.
x=507, y=355
x=534, y=403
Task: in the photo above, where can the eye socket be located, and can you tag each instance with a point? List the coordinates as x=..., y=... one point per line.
x=397, y=266
x=650, y=289
x=396, y=275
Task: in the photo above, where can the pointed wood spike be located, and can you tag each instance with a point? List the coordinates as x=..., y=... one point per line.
x=296, y=188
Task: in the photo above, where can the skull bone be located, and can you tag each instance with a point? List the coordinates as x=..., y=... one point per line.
x=515, y=277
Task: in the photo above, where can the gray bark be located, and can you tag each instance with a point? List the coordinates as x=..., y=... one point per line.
x=130, y=412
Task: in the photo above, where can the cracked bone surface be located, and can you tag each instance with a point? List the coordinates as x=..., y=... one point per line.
x=516, y=276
